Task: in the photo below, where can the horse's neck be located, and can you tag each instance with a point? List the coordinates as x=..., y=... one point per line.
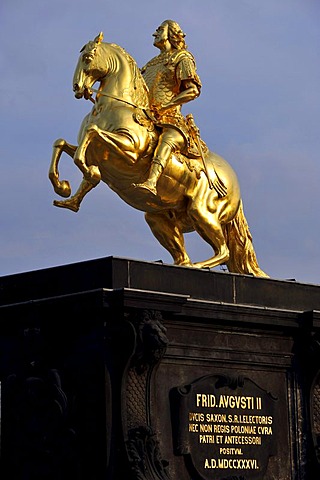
x=119, y=78
x=122, y=80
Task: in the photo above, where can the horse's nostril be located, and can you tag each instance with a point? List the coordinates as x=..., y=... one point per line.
x=75, y=87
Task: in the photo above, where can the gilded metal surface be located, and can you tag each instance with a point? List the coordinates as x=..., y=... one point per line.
x=136, y=140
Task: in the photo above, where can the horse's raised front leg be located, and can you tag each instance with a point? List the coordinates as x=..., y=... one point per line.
x=167, y=231
x=61, y=187
x=91, y=173
x=73, y=203
x=129, y=145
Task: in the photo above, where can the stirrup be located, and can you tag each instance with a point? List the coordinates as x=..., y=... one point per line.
x=145, y=186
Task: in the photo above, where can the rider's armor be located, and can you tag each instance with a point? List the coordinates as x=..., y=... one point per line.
x=163, y=75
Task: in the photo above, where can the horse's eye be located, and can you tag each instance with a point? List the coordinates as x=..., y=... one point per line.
x=87, y=57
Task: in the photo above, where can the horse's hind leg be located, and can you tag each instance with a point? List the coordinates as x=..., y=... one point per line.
x=208, y=226
x=167, y=231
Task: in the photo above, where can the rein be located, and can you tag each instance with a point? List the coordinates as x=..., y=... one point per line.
x=113, y=97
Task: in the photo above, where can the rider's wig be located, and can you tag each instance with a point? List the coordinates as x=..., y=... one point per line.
x=176, y=35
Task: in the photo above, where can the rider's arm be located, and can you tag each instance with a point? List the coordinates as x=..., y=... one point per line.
x=189, y=91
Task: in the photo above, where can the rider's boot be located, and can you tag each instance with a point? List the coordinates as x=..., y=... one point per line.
x=151, y=183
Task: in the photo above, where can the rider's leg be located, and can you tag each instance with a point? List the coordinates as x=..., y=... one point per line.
x=154, y=174
x=170, y=140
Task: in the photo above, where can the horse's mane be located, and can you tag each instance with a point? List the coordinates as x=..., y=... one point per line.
x=140, y=91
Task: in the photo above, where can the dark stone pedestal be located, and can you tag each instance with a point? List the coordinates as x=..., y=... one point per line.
x=118, y=369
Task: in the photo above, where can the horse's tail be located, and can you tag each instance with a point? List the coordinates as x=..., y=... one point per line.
x=239, y=240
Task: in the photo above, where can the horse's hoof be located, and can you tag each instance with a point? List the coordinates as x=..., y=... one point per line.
x=63, y=189
x=186, y=263
x=66, y=204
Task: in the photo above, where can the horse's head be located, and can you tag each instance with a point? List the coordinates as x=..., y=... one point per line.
x=89, y=68
x=99, y=60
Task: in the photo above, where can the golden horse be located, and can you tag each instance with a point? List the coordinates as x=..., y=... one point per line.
x=115, y=144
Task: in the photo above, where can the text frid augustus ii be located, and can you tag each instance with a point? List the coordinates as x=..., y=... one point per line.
x=205, y=400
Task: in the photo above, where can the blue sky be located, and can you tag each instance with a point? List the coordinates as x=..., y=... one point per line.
x=259, y=62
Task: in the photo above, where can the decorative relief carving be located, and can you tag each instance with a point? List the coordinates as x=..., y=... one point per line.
x=144, y=455
x=151, y=339
x=39, y=440
x=315, y=415
x=142, y=445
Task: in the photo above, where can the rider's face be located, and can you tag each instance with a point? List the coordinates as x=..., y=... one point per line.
x=161, y=36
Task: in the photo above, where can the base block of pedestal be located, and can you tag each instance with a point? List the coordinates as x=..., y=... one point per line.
x=115, y=368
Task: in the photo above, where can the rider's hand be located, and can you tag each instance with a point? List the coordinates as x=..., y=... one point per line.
x=152, y=113
x=164, y=108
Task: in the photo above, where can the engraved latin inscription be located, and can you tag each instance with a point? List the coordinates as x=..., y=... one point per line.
x=228, y=429
x=224, y=429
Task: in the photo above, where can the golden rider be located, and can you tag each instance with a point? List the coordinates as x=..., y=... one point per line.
x=172, y=81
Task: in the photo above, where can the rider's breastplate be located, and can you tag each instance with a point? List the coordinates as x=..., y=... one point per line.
x=159, y=75
x=163, y=76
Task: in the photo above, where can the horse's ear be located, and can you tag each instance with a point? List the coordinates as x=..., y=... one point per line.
x=99, y=38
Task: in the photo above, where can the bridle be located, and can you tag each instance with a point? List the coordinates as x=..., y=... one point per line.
x=113, y=97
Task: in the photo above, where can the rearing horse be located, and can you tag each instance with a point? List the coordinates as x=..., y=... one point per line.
x=115, y=144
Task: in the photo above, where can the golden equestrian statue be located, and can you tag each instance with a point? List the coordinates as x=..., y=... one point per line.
x=136, y=140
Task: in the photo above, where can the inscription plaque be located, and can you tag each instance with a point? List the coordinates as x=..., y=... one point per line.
x=225, y=427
